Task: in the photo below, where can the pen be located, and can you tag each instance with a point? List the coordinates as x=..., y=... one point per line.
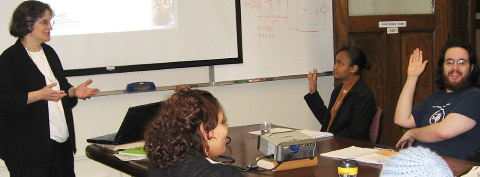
x=383, y=149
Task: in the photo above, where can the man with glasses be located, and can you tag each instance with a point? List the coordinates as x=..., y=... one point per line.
x=445, y=121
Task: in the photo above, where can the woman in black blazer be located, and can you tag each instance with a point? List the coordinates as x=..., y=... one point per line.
x=37, y=135
x=352, y=105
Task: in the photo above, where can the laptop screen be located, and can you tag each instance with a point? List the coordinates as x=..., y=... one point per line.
x=135, y=121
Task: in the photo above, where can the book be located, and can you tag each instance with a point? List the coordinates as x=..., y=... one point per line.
x=268, y=163
x=137, y=152
x=122, y=146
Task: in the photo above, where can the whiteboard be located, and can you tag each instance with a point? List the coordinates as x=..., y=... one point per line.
x=281, y=38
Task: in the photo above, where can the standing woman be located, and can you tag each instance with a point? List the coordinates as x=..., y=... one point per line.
x=352, y=105
x=37, y=135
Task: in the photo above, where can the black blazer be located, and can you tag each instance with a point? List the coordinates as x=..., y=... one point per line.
x=354, y=116
x=24, y=128
x=193, y=166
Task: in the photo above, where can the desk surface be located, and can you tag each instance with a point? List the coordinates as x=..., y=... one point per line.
x=243, y=149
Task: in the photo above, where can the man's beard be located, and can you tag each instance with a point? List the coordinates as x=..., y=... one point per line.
x=463, y=83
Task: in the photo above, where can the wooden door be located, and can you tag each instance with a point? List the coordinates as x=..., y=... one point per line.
x=388, y=54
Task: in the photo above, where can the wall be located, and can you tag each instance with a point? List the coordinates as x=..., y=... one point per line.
x=280, y=102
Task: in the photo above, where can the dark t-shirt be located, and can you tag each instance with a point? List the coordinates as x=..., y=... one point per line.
x=195, y=166
x=437, y=106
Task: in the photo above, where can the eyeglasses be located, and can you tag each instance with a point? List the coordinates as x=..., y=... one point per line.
x=460, y=62
x=47, y=23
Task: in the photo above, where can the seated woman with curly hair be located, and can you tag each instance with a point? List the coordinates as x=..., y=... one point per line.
x=189, y=130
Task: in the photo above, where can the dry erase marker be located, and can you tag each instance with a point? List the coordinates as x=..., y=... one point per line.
x=241, y=81
x=255, y=80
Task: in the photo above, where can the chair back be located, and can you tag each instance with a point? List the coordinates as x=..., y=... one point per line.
x=375, y=126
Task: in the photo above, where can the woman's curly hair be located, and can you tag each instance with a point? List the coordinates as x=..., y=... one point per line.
x=175, y=132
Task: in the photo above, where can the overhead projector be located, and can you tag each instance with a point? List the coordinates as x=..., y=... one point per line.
x=287, y=145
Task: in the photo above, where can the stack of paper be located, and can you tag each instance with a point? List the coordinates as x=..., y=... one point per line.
x=136, y=153
x=123, y=146
x=316, y=134
x=367, y=155
x=128, y=158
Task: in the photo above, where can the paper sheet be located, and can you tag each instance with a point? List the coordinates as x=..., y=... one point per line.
x=316, y=134
x=311, y=133
x=349, y=152
x=273, y=130
x=128, y=157
x=367, y=155
x=373, y=158
x=474, y=172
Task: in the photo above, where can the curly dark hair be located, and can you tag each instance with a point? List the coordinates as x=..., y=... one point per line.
x=25, y=16
x=175, y=132
x=472, y=59
x=357, y=57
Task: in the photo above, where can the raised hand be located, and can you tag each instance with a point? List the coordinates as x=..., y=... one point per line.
x=416, y=65
x=312, y=81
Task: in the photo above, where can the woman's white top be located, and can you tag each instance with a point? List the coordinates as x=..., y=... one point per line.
x=58, y=124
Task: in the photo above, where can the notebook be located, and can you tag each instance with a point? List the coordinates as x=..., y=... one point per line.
x=132, y=127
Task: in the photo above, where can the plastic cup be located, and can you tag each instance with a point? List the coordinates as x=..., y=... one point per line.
x=265, y=127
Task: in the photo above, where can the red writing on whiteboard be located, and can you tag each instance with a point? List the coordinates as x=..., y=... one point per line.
x=266, y=35
x=264, y=28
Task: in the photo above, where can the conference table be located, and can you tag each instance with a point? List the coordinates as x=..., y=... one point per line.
x=243, y=148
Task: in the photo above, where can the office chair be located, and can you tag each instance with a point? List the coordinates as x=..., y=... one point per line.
x=375, y=126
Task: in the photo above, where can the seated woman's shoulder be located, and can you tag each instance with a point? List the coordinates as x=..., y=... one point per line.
x=195, y=165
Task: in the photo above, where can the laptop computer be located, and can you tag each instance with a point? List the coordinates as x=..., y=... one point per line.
x=132, y=127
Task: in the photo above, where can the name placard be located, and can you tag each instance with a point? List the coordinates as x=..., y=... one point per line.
x=392, y=24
